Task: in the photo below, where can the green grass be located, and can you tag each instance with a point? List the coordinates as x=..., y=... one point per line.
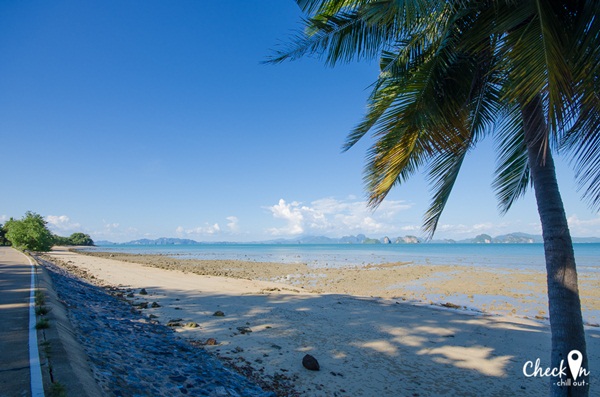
x=57, y=390
x=42, y=323
x=41, y=310
x=40, y=299
x=47, y=348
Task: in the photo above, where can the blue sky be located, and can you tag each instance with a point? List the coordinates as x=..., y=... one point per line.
x=143, y=119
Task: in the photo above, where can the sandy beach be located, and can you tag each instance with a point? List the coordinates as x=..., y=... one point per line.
x=373, y=330
x=498, y=290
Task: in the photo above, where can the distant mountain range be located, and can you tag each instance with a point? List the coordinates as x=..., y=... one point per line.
x=512, y=238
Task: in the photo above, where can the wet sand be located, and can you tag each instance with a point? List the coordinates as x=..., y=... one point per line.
x=358, y=323
x=505, y=291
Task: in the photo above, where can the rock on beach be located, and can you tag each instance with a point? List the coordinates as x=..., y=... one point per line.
x=310, y=363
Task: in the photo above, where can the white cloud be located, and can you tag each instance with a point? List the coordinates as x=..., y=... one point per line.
x=410, y=228
x=483, y=226
x=464, y=231
x=209, y=229
x=331, y=216
x=110, y=227
x=112, y=231
x=233, y=224
x=578, y=227
x=206, y=229
x=292, y=213
x=584, y=227
x=62, y=224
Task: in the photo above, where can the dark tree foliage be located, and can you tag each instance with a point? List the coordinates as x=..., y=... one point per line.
x=3, y=239
x=29, y=233
x=81, y=239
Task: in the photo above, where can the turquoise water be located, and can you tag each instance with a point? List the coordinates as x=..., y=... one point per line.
x=500, y=256
x=338, y=255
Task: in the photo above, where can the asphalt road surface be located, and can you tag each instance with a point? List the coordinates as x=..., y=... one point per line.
x=15, y=281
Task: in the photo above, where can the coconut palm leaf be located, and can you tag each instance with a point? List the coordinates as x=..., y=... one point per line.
x=392, y=161
x=342, y=31
x=410, y=126
x=582, y=139
x=442, y=175
x=512, y=171
x=583, y=143
x=402, y=82
x=382, y=10
x=337, y=38
x=477, y=108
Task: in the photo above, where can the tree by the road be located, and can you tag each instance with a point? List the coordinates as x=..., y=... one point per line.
x=29, y=233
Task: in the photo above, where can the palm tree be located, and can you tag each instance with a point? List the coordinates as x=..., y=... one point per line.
x=454, y=72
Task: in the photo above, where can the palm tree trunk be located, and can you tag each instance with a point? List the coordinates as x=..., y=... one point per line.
x=566, y=321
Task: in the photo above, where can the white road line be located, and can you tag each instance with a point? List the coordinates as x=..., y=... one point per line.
x=35, y=370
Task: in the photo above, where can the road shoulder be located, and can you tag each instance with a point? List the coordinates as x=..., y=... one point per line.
x=66, y=365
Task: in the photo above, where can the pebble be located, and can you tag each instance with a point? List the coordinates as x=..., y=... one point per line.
x=131, y=355
x=310, y=363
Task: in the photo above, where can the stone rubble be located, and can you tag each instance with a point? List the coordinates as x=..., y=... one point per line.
x=135, y=356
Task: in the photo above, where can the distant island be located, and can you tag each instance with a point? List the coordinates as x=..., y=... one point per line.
x=511, y=238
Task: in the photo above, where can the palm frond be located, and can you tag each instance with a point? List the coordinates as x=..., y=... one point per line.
x=380, y=101
x=474, y=82
x=582, y=142
x=582, y=139
x=408, y=82
x=342, y=37
x=343, y=31
x=512, y=170
x=537, y=54
x=326, y=6
x=392, y=161
x=408, y=10
x=552, y=20
x=446, y=101
x=443, y=173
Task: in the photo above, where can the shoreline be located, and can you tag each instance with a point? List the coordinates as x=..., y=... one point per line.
x=365, y=346
x=500, y=291
x=129, y=354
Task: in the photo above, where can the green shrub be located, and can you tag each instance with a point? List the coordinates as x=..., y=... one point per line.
x=41, y=310
x=42, y=323
x=29, y=233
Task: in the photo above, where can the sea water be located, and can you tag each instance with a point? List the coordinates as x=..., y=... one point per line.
x=523, y=256
x=498, y=256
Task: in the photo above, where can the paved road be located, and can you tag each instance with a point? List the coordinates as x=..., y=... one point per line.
x=15, y=280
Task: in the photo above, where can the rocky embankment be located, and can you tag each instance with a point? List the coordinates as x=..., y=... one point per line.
x=132, y=355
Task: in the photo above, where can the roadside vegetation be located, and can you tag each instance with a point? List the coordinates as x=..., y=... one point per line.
x=74, y=239
x=41, y=310
x=31, y=233
x=56, y=389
